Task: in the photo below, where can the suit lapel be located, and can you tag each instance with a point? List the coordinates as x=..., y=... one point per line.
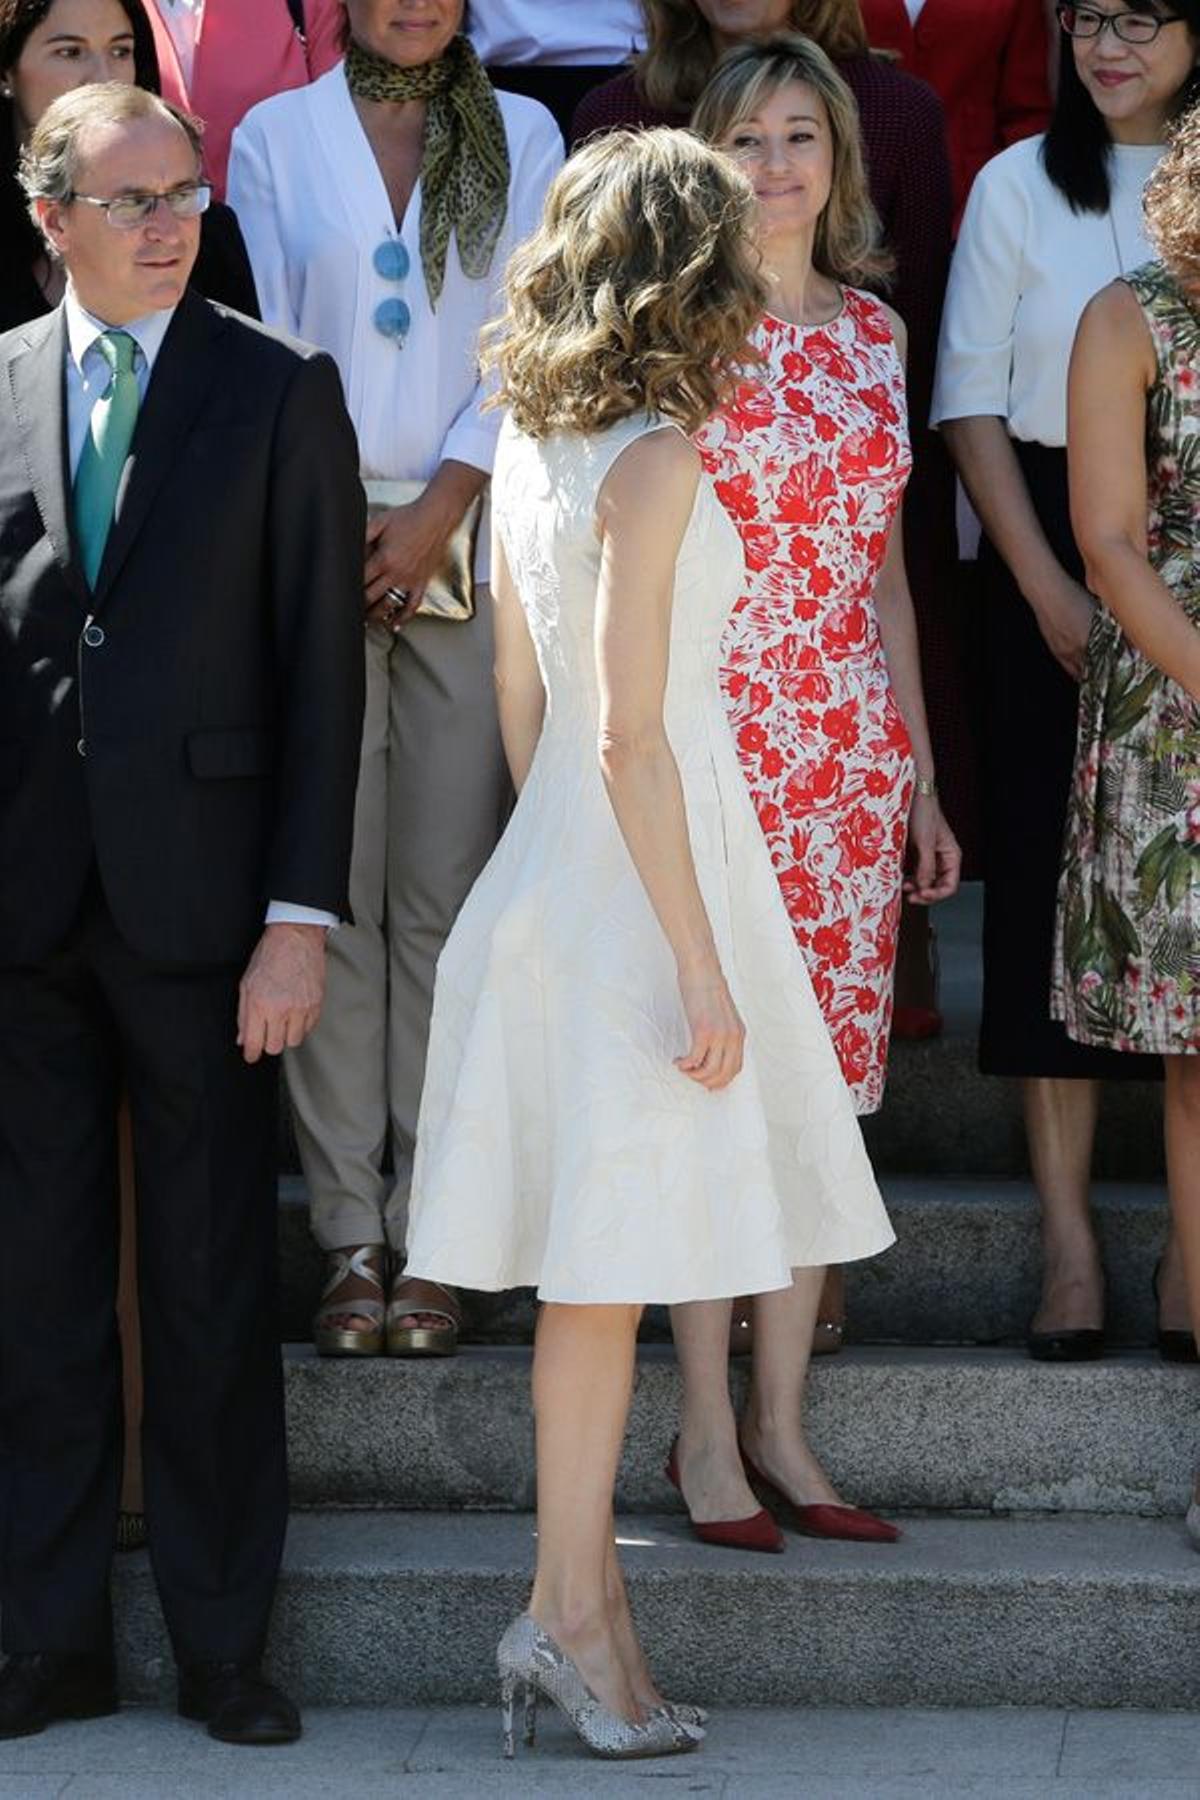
x=38, y=384
x=185, y=372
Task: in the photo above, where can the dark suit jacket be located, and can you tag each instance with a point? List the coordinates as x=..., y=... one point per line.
x=217, y=690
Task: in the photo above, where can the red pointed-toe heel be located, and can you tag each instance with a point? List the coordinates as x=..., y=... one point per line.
x=758, y=1532
x=850, y=1523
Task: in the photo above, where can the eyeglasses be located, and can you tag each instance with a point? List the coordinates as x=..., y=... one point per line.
x=392, y=316
x=1130, y=27
x=130, y=210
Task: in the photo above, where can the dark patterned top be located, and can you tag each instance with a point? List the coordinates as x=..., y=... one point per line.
x=1127, y=957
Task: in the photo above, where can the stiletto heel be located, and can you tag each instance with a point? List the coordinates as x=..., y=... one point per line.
x=529, y=1654
x=508, y=1692
x=758, y=1532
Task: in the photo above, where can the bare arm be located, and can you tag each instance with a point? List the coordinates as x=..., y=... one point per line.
x=642, y=514
x=1112, y=369
x=985, y=458
x=520, y=695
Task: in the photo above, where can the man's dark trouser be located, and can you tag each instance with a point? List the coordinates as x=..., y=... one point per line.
x=204, y=1151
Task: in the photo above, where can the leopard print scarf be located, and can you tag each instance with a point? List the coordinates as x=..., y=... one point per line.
x=465, y=168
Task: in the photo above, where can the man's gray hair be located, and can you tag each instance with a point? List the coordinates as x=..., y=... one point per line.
x=49, y=167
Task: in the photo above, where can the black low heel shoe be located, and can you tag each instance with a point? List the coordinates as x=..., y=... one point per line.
x=1174, y=1345
x=1086, y=1345
x=237, y=1703
x=42, y=1689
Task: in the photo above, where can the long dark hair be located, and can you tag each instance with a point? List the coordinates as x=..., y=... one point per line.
x=1077, y=146
x=18, y=19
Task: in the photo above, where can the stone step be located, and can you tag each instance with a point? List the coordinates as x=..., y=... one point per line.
x=983, y=1431
x=942, y=1117
x=402, y=1609
x=964, y=1269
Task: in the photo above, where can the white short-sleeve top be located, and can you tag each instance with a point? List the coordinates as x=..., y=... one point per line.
x=558, y=32
x=1024, y=268
x=314, y=209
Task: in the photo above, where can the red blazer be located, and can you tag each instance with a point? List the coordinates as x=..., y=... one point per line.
x=238, y=64
x=989, y=61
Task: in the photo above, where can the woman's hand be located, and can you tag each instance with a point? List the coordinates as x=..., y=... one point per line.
x=405, y=547
x=934, y=859
x=1064, y=617
x=718, y=1035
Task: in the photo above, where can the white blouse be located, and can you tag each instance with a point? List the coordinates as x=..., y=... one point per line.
x=1024, y=269
x=558, y=32
x=313, y=209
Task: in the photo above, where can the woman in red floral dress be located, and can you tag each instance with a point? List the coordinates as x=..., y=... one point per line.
x=823, y=683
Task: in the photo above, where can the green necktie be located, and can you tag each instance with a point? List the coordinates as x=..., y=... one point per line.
x=110, y=433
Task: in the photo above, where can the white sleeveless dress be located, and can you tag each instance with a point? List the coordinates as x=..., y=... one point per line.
x=558, y=1146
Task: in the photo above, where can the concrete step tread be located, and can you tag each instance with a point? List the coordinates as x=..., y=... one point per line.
x=984, y=1430
x=400, y=1608
x=1100, y=1553
x=964, y=1269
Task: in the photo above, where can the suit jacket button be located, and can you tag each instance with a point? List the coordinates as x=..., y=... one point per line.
x=93, y=637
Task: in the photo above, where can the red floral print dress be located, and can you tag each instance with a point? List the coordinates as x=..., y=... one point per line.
x=810, y=459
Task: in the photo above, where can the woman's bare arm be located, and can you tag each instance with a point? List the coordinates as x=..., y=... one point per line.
x=642, y=513
x=520, y=694
x=1112, y=369
x=985, y=458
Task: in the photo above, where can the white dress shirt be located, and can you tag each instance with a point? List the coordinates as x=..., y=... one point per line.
x=183, y=19
x=1024, y=268
x=88, y=375
x=313, y=209
x=562, y=33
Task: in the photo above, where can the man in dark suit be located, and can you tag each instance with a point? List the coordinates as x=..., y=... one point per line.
x=181, y=533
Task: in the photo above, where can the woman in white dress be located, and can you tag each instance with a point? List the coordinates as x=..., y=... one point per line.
x=596, y=1120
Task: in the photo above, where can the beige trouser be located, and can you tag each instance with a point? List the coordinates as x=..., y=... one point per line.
x=433, y=794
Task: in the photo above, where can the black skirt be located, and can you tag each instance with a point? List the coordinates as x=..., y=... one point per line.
x=1030, y=707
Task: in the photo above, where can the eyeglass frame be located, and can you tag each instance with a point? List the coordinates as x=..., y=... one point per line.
x=1158, y=20
x=152, y=203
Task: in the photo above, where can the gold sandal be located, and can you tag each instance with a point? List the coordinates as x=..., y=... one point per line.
x=411, y=1297
x=366, y=1263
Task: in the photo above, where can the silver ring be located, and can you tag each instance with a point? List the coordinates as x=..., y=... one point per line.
x=398, y=596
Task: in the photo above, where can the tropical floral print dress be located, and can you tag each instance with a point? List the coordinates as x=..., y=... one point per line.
x=810, y=459
x=1127, y=957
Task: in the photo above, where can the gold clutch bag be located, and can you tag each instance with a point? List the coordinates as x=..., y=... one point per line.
x=451, y=593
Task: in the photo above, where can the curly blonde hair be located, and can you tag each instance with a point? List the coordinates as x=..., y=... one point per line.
x=1171, y=201
x=848, y=245
x=637, y=293
x=680, y=56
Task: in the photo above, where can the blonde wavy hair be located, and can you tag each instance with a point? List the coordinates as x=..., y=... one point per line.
x=637, y=293
x=1171, y=202
x=848, y=245
x=679, y=56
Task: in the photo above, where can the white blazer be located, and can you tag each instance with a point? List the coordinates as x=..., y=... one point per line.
x=313, y=208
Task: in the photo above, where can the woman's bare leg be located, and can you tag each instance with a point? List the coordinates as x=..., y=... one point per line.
x=1060, y=1124
x=773, y=1423
x=710, y=1463
x=582, y=1382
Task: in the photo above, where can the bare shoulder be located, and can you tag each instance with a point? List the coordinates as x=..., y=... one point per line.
x=657, y=474
x=1113, y=328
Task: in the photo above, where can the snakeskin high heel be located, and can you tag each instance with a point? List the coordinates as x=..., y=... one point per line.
x=529, y=1655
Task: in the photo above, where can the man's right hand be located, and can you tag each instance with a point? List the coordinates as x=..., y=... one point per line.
x=279, y=1000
